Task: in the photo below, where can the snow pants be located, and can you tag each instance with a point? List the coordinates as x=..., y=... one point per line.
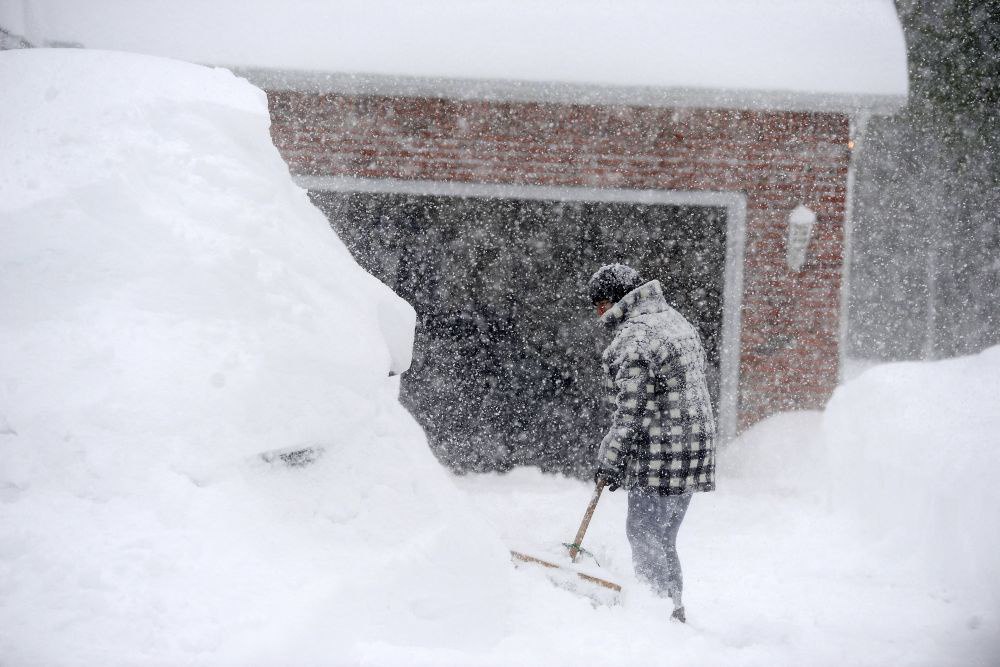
x=652, y=525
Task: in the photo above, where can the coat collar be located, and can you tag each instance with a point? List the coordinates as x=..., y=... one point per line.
x=643, y=300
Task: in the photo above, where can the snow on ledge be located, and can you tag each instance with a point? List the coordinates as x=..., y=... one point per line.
x=776, y=54
x=569, y=93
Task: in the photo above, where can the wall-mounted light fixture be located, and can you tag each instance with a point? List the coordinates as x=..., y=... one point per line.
x=800, y=226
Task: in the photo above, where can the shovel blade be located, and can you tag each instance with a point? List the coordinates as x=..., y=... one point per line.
x=517, y=557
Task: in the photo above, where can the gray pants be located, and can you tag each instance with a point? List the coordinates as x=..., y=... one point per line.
x=652, y=525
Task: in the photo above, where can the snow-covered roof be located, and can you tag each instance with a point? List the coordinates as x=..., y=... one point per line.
x=847, y=55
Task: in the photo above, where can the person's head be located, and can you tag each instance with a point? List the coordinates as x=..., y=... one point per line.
x=610, y=284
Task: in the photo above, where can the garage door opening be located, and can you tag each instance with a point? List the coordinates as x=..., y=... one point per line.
x=506, y=366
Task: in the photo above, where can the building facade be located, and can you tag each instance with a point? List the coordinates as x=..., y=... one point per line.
x=784, y=324
x=484, y=161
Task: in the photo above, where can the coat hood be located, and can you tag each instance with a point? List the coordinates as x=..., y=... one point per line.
x=643, y=300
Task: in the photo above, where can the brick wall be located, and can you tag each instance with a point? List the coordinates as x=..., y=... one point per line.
x=790, y=321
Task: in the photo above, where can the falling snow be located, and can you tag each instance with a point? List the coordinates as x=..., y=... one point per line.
x=292, y=358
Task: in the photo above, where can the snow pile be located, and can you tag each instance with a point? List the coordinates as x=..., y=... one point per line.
x=914, y=450
x=910, y=454
x=784, y=455
x=173, y=308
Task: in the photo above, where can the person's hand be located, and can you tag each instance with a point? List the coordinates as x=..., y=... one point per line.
x=612, y=478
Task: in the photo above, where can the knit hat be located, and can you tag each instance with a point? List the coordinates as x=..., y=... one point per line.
x=612, y=282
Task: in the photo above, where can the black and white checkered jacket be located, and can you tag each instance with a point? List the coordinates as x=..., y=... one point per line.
x=663, y=432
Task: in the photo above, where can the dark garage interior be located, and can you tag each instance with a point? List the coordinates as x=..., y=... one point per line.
x=506, y=366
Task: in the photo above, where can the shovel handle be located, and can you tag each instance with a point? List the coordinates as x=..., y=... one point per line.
x=574, y=549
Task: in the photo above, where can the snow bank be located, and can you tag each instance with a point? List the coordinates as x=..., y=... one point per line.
x=915, y=451
x=173, y=307
x=785, y=455
x=910, y=453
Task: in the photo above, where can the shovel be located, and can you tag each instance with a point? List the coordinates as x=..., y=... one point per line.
x=574, y=548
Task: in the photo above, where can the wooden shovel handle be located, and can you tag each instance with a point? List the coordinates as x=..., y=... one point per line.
x=574, y=549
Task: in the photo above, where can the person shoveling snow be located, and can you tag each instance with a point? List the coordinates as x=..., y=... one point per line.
x=661, y=444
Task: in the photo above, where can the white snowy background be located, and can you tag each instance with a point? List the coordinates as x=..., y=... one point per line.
x=173, y=307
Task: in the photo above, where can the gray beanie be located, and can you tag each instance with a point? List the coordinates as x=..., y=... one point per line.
x=612, y=282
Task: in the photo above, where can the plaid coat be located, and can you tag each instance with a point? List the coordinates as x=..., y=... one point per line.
x=663, y=432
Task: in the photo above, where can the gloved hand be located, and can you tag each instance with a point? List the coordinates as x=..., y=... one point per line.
x=612, y=478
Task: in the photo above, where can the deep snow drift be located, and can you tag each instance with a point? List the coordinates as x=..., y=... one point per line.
x=914, y=450
x=174, y=307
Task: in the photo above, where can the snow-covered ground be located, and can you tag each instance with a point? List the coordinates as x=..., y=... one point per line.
x=173, y=307
x=797, y=560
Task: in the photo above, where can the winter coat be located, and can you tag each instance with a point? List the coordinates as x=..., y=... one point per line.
x=663, y=432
